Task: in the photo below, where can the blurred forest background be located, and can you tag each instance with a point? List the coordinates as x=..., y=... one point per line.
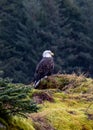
x=28, y=27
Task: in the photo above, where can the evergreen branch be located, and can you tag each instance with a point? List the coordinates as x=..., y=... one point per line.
x=14, y=99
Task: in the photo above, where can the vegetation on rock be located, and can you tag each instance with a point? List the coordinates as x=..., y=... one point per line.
x=66, y=104
x=14, y=100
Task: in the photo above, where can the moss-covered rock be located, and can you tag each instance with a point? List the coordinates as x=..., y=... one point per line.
x=72, y=108
x=65, y=103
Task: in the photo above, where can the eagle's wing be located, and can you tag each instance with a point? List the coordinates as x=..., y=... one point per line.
x=44, y=68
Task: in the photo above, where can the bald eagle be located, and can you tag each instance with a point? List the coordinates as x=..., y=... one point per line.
x=45, y=67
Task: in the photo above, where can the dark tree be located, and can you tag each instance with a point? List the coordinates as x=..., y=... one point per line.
x=28, y=27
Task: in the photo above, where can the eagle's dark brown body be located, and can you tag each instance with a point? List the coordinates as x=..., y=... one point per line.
x=44, y=68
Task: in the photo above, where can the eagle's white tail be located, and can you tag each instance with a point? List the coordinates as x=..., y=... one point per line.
x=36, y=83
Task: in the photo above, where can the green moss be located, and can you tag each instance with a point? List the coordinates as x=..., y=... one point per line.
x=64, y=117
x=71, y=108
x=19, y=123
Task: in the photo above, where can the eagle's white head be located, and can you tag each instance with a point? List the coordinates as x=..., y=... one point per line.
x=48, y=53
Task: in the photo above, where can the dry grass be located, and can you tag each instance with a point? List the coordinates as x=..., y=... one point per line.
x=72, y=108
